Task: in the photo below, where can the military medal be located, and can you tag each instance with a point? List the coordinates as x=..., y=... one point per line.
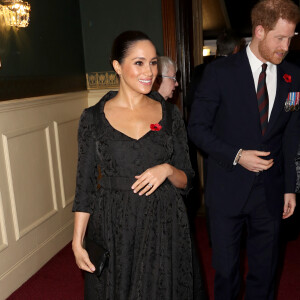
x=292, y=107
x=297, y=101
x=287, y=105
x=292, y=102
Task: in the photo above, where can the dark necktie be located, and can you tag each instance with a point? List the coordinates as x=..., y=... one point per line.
x=263, y=99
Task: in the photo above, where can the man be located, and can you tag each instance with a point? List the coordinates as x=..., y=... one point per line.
x=228, y=42
x=244, y=117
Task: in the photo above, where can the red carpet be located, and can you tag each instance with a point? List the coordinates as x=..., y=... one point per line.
x=60, y=279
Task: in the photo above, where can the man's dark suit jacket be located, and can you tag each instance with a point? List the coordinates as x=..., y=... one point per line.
x=225, y=118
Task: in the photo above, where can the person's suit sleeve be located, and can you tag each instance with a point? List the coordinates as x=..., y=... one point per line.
x=86, y=180
x=298, y=170
x=206, y=104
x=290, y=144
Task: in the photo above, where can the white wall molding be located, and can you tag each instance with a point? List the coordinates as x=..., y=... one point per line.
x=3, y=244
x=26, y=103
x=7, y=136
x=31, y=264
x=38, y=161
x=95, y=95
x=66, y=200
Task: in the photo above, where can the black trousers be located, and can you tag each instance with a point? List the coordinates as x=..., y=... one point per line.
x=262, y=248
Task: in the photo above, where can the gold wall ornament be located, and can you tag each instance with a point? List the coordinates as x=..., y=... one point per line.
x=15, y=12
x=102, y=80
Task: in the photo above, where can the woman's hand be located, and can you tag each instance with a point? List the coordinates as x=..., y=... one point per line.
x=82, y=259
x=151, y=179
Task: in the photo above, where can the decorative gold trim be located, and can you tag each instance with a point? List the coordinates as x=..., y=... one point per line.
x=102, y=80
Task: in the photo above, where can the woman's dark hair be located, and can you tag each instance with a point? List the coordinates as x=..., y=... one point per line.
x=123, y=42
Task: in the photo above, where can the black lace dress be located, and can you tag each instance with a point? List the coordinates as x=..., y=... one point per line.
x=148, y=236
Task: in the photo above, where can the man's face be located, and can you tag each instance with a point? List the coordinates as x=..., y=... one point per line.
x=168, y=85
x=275, y=43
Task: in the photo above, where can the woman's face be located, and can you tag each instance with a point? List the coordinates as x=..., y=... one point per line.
x=168, y=85
x=139, y=67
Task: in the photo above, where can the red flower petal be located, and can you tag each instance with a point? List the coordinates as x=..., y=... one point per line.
x=287, y=78
x=155, y=127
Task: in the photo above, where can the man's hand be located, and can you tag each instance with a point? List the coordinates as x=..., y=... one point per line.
x=250, y=160
x=289, y=205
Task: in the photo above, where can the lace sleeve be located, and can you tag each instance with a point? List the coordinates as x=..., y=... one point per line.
x=181, y=158
x=86, y=179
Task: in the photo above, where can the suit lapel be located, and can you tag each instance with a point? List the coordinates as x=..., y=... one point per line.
x=245, y=83
x=281, y=95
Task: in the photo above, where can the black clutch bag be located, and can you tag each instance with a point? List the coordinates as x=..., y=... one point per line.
x=98, y=255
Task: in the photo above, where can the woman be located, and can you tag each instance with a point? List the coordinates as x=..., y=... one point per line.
x=139, y=143
x=166, y=81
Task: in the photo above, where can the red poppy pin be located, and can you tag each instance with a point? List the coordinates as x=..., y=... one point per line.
x=287, y=78
x=155, y=127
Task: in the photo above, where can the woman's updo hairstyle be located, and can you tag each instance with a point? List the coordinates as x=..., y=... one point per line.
x=123, y=42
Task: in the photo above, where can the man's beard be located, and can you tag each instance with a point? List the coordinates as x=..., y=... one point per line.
x=270, y=55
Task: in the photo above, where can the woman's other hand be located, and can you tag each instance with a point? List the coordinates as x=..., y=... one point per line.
x=82, y=259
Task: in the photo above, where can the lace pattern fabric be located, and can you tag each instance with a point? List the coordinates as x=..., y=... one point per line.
x=148, y=237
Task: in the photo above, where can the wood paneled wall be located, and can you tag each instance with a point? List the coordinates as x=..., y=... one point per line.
x=38, y=160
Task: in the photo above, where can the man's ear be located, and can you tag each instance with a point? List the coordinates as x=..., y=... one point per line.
x=259, y=32
x=236, y=49
x=117, y=67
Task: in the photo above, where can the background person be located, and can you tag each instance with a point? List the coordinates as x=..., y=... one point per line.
x=228, y=42
x=166, y=81
x=139, y=141
x=165, y=84
x=242, y=118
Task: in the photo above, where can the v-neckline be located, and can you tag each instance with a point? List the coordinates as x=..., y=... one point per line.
x=124, y=134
